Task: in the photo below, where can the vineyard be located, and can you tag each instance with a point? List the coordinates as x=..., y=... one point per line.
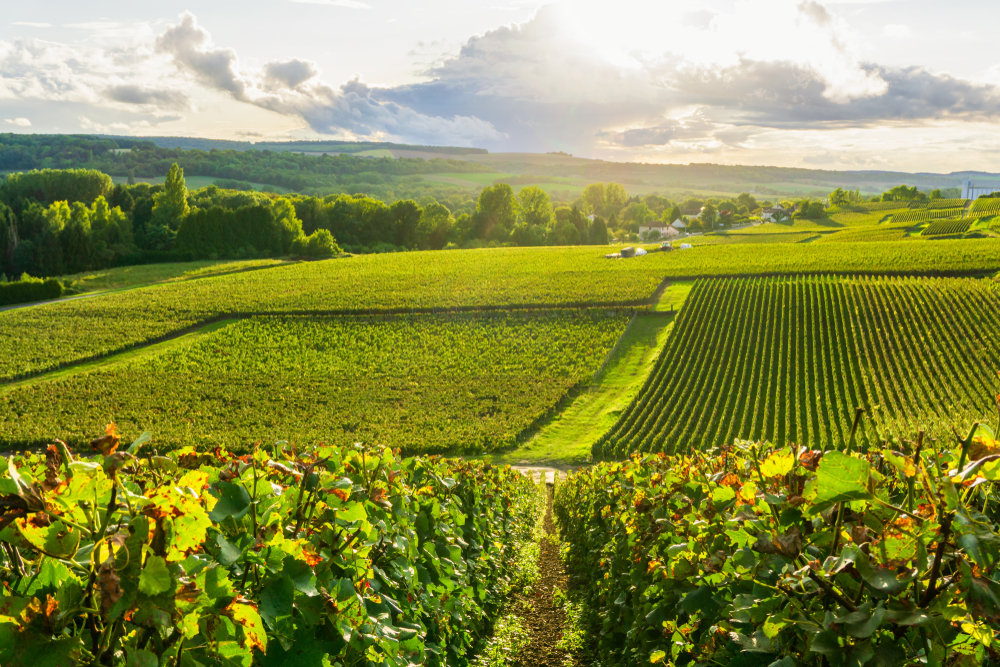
x=884, y=205
x=946, y=203
x=423, y=383
x=756, y=555
x=943, y=227
x=984, y=207
x=303, y=556
x=877, y=234
x=39, y=339
x=789, y=359
x=925, y=214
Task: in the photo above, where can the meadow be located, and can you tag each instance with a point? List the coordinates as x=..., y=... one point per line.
x=788, y=360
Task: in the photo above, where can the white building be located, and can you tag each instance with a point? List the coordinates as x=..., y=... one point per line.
x=970, y=191
x=665, y=231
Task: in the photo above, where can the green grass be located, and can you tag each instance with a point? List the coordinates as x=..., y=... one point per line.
x=674, y=296
x=568, y=437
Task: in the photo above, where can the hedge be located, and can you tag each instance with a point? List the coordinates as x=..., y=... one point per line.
x=28, y=290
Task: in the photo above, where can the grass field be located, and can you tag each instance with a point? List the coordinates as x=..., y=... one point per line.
x=425, y=383
x=878, y=233
x=789, y=359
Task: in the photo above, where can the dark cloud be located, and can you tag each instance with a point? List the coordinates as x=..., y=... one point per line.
x=290, y=73
x=790, y=95
x=292, y=87
x=135, y=94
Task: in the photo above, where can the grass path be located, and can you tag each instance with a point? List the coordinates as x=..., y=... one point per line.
x=567, y=438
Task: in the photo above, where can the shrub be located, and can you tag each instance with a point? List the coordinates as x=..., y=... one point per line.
x=28, y=290
x=318, y=245
x=752, y=555
x=321, y=556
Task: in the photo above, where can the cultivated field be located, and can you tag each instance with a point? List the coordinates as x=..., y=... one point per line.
x=789, y=359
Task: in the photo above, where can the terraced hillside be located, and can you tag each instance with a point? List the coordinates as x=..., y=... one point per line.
x=789, y=359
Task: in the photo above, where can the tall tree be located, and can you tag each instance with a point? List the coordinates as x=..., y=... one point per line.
x=536, y=207
x=615, y=198
x=593, y=198
x=170, y=206
x=497, y=210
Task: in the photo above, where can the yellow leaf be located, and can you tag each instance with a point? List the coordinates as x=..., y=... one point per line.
x=748, y=492
x=778, y=464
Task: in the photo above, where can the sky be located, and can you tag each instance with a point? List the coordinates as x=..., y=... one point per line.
x=907, y=85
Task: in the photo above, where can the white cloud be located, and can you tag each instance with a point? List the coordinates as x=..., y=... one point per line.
x=19, y=122
x=897, y=31
x=352, y=4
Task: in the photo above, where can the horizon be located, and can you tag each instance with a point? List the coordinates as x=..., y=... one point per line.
x=845, y=86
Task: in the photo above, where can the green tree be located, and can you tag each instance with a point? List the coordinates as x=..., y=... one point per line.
x=598, y=232
x=615, y=198
x=436, y=228
x=839, y=197
x=708, y=216
x=936, y=194
x=593, y=198
x=748, y=200
x=638, y=213
x=406, y=216
x=288, y=222
x=536, y=207
x=671, y=215
x=497, y=211
x=170, y=206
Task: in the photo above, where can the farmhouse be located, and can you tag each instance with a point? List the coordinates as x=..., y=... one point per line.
x=776, y=213
x=664, y=230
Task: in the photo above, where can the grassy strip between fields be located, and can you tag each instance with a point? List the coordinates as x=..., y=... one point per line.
x=568, y=436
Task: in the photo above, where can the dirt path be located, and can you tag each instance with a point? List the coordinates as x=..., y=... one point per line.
x=544, y=620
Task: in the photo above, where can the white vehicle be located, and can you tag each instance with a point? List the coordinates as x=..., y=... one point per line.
x=686, y=246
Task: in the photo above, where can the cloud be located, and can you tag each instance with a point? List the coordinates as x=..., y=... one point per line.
x=352, y=4
x=293, y=87
x=140, y=95
x=897, y=31
x=19, y=122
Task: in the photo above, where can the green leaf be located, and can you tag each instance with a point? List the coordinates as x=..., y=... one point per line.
x=141, y=659
x=864, y=628
x=883, y=581
x=228, y=552
x=841, y=478
x=656, y=657
x=155, y=577
x=352, y=512
x=276, y=600
x=234, y=501
x=139, y=442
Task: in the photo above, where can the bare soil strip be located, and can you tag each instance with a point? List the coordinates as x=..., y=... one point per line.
x=544, y=620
